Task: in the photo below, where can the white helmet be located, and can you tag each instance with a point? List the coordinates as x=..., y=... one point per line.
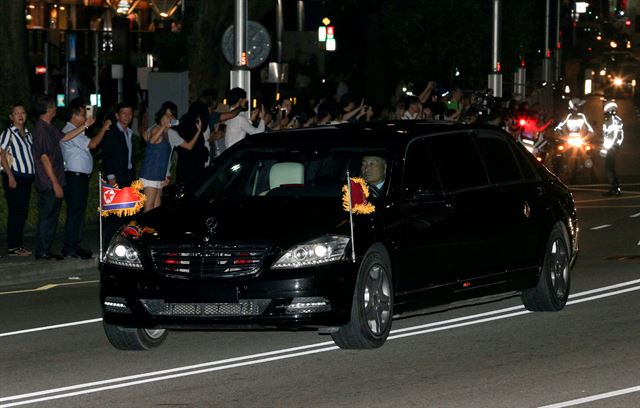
x=575, y=103
x=611, y=107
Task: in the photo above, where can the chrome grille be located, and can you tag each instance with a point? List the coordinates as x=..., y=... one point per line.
x=204, y=260
x=245, y=307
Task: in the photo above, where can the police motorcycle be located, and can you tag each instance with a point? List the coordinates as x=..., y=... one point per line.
x=573, y=148
x=531, y=136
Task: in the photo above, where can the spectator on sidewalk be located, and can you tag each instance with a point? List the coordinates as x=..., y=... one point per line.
x=240, y=126
x=118, y=162
x=78, y=165
x=161, y=140
x=191, y=162
x=18, y=172
x=50, y=177
x=118, y=149
x=213, y=136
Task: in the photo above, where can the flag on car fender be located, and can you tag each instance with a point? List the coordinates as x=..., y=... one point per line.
x=122, y=202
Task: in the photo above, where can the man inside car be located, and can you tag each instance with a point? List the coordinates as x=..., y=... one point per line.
x=374, y=169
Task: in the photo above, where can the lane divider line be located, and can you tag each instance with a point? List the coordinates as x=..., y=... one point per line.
x=599, y=227
x=457, y=319
x=625, y=196
x=160, y=375
x=47, y=287
x=55, y=326
x=592, y=398
x=636, y=215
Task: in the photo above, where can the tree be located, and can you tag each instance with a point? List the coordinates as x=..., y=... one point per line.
x=207, y=66
x=14, y=77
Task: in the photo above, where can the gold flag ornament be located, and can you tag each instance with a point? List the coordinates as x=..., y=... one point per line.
x=359, y=195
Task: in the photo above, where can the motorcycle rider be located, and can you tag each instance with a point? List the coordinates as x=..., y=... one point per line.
x=576, y=129
x=612, y=135
x=575, y=120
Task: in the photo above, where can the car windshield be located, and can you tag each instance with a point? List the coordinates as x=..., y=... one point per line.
x=267, y=171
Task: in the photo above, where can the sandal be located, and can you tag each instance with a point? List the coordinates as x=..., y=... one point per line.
x=19, y=252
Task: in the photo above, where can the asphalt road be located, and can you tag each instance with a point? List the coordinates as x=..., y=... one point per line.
x=484, y=355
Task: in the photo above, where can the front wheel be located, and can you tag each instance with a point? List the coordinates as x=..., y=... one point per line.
x=372, y=307
x=552, y=291
x=126, y=338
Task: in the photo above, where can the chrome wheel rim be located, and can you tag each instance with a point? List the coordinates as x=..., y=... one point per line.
x=559, y=268
x=154, y=333
x=377, y=299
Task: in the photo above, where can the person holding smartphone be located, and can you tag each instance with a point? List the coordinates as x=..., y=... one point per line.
x=78, y=166
x=161, y=140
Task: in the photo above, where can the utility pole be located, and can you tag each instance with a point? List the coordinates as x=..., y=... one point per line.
x=546, y=62
x=240, y=74
x=558, y=43
x=495, y=77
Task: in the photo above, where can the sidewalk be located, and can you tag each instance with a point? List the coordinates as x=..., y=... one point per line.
x=20, y=271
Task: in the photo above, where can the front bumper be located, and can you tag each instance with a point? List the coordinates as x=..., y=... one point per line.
x=305, y=298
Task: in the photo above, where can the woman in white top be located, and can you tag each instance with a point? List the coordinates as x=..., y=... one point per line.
x=161, y=140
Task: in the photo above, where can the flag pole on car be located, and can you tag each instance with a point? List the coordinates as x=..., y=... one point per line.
x=353, y=246
x=100, y=212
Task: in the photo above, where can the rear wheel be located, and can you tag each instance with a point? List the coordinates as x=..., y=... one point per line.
x=372, y=307
x=126, y=338
x=552, y=291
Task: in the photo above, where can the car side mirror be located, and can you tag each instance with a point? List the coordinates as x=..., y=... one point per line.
x=422, y=194
x=172, y=194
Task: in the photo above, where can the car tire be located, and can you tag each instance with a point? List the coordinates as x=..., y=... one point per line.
x=126, y=338
x=372, y=306
x=552, y=291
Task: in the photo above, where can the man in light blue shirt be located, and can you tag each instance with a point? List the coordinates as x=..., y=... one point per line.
x=78, y=166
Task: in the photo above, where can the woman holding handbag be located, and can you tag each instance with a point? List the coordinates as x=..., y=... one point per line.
x=18, y=172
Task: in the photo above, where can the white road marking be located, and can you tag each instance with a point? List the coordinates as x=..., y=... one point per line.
x=625, y=196
x=178, y=372
x=55, y=326
x=636, y=215
x=509, y=309
x=599, y=227
x=592, y=398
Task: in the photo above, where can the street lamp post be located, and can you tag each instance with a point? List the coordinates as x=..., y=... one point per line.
x=558, y=43
x=240, y=74
x=495, y=77
x=546, y=62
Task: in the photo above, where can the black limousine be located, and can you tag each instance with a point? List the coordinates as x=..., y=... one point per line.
x=265, y=241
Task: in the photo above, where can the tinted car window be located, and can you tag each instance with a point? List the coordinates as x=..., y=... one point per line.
x=498, y=158
x=261, y=171
x=458, y=161
x=523, y=157
x=420, y=175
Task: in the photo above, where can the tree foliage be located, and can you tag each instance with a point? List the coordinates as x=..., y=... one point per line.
x=14, y=75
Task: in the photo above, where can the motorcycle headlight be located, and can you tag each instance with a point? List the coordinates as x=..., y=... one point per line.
x=575, y=141
x=316, y=252
x=122, y=253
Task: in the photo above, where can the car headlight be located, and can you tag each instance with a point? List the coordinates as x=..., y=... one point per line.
x=122, y=253
x=319, y=251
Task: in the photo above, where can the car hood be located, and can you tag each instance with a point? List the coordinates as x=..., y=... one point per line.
x=272, y=221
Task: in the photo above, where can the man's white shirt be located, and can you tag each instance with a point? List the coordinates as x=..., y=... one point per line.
x=238, y=128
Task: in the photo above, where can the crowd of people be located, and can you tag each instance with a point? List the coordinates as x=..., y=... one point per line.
x=60, y=162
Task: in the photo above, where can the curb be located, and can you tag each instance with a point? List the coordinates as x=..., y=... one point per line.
x=31, y=271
